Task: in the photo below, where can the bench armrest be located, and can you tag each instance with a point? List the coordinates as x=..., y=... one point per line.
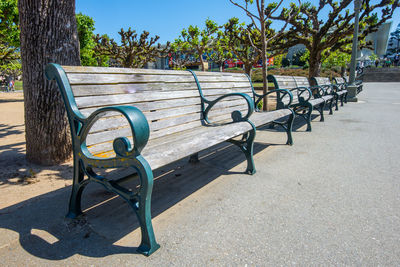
x=304, y=94
x=280, y=94
x=321, y=90
x=236, y=115
x=122, y=146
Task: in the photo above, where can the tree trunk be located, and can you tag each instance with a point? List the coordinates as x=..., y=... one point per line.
x=203, y=68
x=315, y=65
x=248, y=68
x=48, y=34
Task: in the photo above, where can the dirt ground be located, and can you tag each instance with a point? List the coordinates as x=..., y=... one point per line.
x=19, y=179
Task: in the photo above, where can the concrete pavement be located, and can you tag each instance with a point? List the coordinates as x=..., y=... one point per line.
x=333, y=198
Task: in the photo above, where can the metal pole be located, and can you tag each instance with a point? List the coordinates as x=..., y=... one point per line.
x=357, y=6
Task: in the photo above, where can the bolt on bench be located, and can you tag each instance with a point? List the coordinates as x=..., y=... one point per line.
x=146, y=119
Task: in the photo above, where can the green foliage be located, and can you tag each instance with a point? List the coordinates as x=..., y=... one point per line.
x=242, y=40
x=260, y=105
x=9, y=38
x=134, y=52
x=9, y=23
x=278, y=60
x=199, y=42
x=373, y=57
x=336, y=59
x=323, y=36
x=85, y=27
x=219, y=49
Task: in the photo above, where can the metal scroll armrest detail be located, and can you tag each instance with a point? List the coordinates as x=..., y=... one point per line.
x=236, y=115
x=280, y=94
x=122, y=146
x=300, y=93
x=319, y=91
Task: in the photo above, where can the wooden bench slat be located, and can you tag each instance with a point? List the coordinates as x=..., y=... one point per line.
x=105, y=70
x=90, y=78
x=109, y=100
x=154, y=105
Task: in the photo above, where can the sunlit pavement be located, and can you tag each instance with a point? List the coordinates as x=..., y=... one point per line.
x=333, y=198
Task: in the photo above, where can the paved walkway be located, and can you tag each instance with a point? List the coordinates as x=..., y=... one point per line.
x=331, y=199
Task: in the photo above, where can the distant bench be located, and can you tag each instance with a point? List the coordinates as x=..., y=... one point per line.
x=304, y=100
x=146, y=119
x=357, y=83
x=339, y=93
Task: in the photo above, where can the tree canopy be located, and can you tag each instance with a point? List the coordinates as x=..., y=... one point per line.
x=9, y=38
x=134, y=52
x=324, y=36
x=197, y=40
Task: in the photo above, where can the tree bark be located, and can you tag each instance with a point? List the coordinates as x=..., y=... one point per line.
x=248, y=68
x=48, y=34
x=315, y=65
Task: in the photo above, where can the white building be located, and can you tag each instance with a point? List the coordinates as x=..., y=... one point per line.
x=379, y=41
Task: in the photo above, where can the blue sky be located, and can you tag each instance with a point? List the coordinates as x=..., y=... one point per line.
x=165, y=18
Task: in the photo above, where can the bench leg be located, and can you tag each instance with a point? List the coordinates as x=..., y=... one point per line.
x=308, y=118
x=78, y=185
x=194, y=158
x=321, y=108
x=336, y=102
x=246, y=145
x=345, y=97
x=289, y=128
x=331, y=106
x=142, y=207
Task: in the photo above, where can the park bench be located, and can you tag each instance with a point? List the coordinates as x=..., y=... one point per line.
x=317, y=91
x=339, y=93
x=342, y=84
x=283, y=115
x=304, y=101
x=145, y=119
x=357, y=83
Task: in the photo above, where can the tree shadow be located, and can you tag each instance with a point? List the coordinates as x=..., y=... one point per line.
x=7, y=100
x=45, y=233
x=6, y=130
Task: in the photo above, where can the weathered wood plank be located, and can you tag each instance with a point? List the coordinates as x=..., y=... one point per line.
x=104, y=70
x=89, y=78
x=152, y=105
x=111, y=89
x=108, y=100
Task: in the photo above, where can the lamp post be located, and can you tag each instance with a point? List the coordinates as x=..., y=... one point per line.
x=352, y=88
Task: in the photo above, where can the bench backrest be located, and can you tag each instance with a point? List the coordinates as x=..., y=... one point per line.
x=170, y=100
x=282, y=82
x=320, y=81
x=217, y=84
x=301, y=81
x=339, y=80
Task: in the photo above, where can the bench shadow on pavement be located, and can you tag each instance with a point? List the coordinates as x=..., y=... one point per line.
x=44, y=232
